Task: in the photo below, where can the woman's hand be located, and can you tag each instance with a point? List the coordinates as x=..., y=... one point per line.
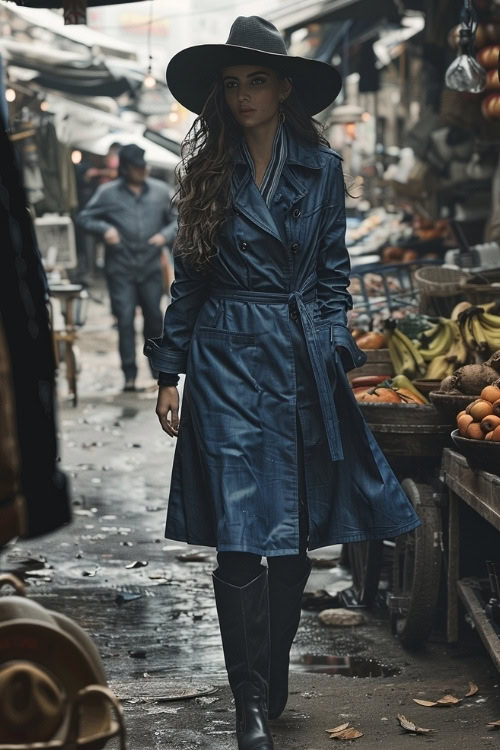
x=168, y=403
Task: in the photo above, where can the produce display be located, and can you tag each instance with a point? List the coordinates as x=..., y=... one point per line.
x=481, y=419
x=473, y=379
x=472, y=334
x=398, y=390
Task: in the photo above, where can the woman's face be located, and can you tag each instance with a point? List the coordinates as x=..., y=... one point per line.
x=253, y=93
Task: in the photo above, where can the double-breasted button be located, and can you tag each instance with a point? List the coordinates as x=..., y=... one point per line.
x=295, y=248
x=244, y=246
x=297, y=213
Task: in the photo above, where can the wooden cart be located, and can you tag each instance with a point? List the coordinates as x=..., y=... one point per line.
x=480, y=491
x=412, y=438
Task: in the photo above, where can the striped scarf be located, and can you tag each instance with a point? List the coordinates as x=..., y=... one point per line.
x=272, y=174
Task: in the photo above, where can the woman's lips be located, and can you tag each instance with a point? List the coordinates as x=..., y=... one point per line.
x=246, y=111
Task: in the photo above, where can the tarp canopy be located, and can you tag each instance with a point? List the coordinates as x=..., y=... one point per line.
x=59, y=3
x=294, y=14
x=96, y=41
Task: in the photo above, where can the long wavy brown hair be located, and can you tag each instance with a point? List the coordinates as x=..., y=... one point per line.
x=205, y=170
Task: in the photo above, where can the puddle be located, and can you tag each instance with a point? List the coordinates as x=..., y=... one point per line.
x=346, y=666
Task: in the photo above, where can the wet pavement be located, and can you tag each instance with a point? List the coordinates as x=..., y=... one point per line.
x=148, y=604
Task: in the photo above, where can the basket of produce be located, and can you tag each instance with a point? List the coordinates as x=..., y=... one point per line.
x=402, y=421
x=438, y=281
x=460, y=389
x=482, y=287
x=478, y=433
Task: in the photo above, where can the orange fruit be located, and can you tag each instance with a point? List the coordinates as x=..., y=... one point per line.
x=491, y=393
x=496, y=435
x=488, y=436
x=472, y=403
x=461, y=414
x=496, y=408
x=480, y=410
x=489, y=423
x=463, y=423
x=474, y=431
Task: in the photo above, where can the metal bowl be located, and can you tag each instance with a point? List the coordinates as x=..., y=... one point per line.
x=480, y=454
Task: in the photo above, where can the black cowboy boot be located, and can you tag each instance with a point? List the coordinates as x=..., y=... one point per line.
x=244, y=625
x=285, y=607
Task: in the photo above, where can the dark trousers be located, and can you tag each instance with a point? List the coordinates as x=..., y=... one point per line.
x=126, y=293
x=239, y=568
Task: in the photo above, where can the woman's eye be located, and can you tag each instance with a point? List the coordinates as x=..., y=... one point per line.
x=258, y=80
x=230, y=84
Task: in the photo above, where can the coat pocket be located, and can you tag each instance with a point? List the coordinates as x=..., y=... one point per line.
x=235, y=337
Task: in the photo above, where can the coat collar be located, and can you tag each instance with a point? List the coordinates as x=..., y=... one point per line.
x=300, y=153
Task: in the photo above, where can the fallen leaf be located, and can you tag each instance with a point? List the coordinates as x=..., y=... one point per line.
x=338, y=729
x=411, y=727
x=473, y=689
x=494, y=724
x=449, y=700
x=347, y=734
x=425, y=703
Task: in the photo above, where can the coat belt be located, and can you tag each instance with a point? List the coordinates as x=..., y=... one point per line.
x=296, y=302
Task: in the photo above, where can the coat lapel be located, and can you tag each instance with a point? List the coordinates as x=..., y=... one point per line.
x=248, y=201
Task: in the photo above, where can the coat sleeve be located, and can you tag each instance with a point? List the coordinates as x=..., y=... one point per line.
x=169, y=353
x=334, y=268
x=94, y=217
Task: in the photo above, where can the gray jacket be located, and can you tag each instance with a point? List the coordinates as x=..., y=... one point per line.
x=137, y=218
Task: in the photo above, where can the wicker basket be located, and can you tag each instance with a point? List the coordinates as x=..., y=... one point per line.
x=437, y=281
x=480, y=294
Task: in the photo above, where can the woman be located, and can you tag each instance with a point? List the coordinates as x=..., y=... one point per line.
x=273, y=456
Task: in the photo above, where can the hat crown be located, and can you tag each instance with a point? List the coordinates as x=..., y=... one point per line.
x=256, y=33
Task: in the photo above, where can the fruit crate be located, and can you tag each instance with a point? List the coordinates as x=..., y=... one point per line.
x=378, y=363
x=407, y=429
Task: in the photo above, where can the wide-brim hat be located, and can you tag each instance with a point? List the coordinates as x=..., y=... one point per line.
x=252, y=40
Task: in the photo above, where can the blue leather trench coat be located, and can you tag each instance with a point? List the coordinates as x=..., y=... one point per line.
x=263, y=341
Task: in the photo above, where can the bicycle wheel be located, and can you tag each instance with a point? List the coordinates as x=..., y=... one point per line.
x=417, y=570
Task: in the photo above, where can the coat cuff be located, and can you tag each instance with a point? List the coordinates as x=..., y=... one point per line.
x=351, y=356
x=164, y=360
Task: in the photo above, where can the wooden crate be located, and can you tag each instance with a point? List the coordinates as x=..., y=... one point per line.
x=378, y=363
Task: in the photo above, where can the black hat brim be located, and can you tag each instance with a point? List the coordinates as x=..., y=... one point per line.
x=191, y=73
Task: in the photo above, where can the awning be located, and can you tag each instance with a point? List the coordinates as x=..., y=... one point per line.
x=294, y=14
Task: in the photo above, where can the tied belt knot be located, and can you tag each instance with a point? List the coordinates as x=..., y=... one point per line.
x=296, y=301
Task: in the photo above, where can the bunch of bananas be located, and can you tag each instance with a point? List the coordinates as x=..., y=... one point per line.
x=406, y=358
x=443, y=348
x=480, y=331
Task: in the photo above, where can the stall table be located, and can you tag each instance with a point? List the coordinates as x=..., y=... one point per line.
x=481, y=491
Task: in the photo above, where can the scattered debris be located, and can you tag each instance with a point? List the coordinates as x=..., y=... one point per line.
x=125, y=596
x=446, y=700
x=494, y=724
x=138, y=654
x=473, y=689
x=338, y=729
x=206, y=701
x=137, y=564
x=341, y=618
x=344, y=732
x=193, y=557
x=90, y=573
x=411, y=727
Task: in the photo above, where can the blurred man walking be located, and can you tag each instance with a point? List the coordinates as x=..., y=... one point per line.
x=134, y=216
